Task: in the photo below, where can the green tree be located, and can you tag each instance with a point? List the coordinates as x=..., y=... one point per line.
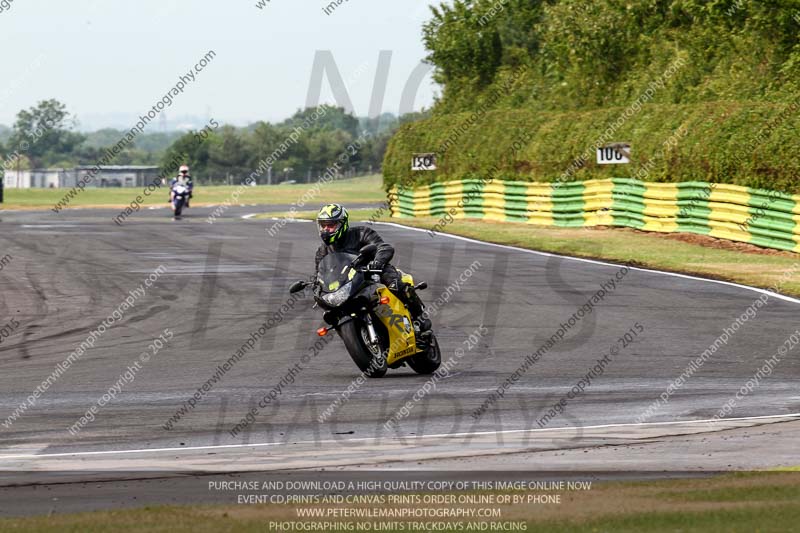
x=237, y=152
x=189, y=150
x=463, y=45
x=5, y=133
x=263, y=141
x=228, y=154
x=335, y=118
x=44, y=133
x=322, y=149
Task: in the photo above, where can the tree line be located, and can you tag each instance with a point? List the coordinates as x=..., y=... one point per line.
x=586, y=54
x=45, y=136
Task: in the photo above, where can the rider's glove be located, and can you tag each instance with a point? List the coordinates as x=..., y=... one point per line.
x=375, y=265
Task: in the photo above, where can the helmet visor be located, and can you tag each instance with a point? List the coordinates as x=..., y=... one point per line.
x=329, y=226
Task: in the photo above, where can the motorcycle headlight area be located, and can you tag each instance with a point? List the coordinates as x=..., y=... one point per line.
x=338, y=297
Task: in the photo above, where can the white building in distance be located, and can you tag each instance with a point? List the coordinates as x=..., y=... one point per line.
x=109, y=176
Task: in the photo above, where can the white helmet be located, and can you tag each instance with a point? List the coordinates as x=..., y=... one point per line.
x=184, y=168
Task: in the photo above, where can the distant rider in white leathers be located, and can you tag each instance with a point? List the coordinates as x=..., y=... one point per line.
x=184, y=179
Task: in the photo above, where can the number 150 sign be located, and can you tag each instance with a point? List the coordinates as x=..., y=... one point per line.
x=423, y=162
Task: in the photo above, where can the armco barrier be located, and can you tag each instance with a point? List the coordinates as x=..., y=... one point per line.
x=765, y=218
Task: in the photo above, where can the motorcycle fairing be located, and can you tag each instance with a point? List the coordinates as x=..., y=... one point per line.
x=397, y=320
x=406, y=278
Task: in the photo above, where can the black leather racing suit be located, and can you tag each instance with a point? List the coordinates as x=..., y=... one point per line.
x=356, y=238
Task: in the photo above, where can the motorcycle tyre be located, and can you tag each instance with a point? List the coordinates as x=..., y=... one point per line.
x=427, y=362
x=362, y=356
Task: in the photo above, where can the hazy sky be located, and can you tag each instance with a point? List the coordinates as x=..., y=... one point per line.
x=111, y=60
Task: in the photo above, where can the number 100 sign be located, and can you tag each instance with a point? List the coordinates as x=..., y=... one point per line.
x=614, y=154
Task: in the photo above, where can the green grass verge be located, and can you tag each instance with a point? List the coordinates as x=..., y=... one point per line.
x=364, y=189
x=623, y=245
x=763, y=502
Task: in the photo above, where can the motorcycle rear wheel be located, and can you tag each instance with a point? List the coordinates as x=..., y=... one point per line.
x=427, y=362
x=354, y=334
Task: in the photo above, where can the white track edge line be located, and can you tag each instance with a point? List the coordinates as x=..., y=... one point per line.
x=442, y=435
x=604, y=263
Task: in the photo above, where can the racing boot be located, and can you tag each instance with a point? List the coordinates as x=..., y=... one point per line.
x=422, y=324
x=416, y=308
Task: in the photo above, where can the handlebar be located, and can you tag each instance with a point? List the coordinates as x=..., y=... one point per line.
x=300, y=285
x=366, y=270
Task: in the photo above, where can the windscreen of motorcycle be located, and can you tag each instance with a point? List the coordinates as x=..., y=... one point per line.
x=335, y=271
x=180, y=189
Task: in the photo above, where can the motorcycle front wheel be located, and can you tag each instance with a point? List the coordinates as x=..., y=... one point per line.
x=356, y=339
x=178, y=208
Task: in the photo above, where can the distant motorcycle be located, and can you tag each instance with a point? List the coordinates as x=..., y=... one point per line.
x=180, y=194
x=374, y=324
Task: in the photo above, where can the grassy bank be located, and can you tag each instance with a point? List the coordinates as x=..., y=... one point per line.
x=529, y=87
x=731, y=503
x=697, y=255
x=365, y=189
x=743, y=143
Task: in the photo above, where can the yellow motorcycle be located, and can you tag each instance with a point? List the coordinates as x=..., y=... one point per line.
x=372, y=321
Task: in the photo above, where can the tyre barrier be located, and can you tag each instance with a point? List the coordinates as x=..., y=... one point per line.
x=765, y=218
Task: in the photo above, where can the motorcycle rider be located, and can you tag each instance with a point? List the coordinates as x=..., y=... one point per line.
x=183, y=178
x=338, y=236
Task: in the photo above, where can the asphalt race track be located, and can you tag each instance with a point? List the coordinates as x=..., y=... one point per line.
x=70, y=271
